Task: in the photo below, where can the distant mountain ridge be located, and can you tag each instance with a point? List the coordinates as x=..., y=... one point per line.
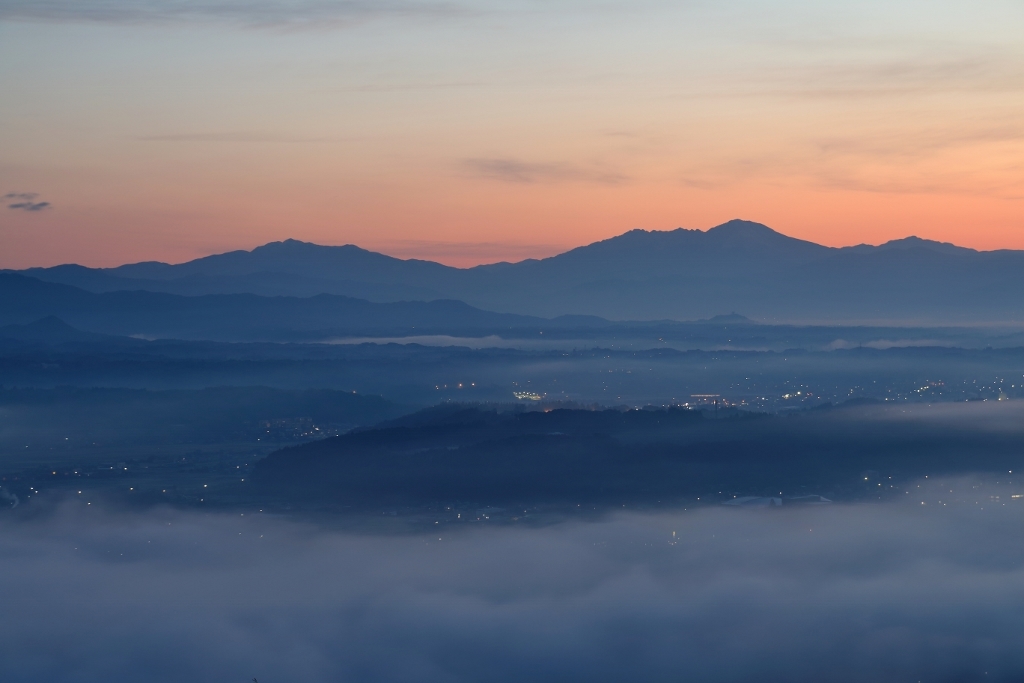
x=49, y=329
x=680, y=274
x=33, y=309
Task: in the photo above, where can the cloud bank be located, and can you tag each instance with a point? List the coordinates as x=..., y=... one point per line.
x=888, y=592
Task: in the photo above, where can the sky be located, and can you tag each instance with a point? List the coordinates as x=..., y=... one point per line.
x=467, y=131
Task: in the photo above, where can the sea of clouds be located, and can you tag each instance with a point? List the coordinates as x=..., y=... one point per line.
x=929, y=587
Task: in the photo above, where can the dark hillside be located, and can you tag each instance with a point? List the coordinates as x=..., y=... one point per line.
x=609, y=457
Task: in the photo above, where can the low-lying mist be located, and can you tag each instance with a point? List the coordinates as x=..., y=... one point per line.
x=928, y=587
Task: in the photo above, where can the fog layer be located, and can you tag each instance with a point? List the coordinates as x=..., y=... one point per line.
x=927, y=588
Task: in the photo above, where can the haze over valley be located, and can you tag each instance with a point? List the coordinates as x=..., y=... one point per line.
x=97, y=376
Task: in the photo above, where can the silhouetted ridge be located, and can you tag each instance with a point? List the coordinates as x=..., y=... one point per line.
x=49, y=329
x=241, y=316
x=913, y=242
x=463, y=455
x=640, y=275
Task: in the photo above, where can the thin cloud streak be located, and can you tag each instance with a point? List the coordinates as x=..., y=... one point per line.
x=921, y=143
x=407, y=87
x=516, y=171
x=257, y=13
x=232, y=137
x=897, y=160
x=900, y=77
x=864, y=76
x=25, y=201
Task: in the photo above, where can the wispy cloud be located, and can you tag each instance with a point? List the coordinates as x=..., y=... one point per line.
x=236, y=136
x=516, y=171
x=265, y=13
x=922, y=141
x=961, y=158
x=882, y=73
x=902, y=76
x=405, y=87
x=24, y=201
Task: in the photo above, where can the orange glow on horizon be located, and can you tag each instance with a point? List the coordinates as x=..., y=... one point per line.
x=502, y=223
x=491, y=136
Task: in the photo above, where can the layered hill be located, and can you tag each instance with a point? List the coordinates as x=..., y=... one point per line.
x=460, y=455
x=680, y=274
x=33, y=309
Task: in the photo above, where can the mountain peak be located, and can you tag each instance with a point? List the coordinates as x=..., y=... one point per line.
x=914, y=242
x=744, y=235
x=294, y=245
x=739, y=232
x=738, y=226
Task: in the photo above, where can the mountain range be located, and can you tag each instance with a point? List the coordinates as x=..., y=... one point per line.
x=34, y=309
x=640, y=275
